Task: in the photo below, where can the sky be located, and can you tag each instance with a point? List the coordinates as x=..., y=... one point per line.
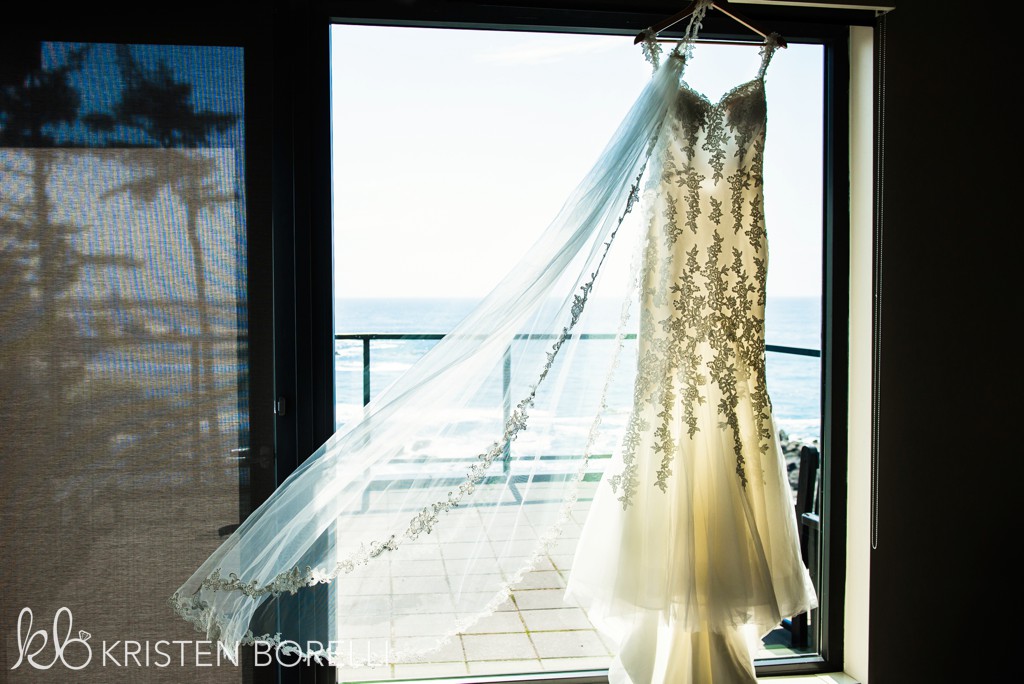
x=453, y=149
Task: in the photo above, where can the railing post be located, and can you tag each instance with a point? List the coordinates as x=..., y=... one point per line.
x=366, y=370
x=506, y=400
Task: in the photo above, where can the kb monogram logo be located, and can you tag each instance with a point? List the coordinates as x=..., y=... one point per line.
x=32, y=644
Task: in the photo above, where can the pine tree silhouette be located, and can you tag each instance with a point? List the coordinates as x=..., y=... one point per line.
x=155, y=110
x=46, y=349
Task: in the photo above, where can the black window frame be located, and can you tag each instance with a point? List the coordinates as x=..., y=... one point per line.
x=829, y=28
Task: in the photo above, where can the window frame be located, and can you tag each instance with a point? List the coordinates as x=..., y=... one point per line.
x=288, y=166
x=829, y=28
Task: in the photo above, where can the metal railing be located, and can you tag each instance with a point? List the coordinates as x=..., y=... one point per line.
x=507, y=370
x=507, y=478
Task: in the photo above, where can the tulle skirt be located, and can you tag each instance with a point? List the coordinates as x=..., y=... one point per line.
x=686, y=580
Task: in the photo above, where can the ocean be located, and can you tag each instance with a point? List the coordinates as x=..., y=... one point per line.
x=794, y=382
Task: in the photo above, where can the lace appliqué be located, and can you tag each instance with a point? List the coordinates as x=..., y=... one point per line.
x=713, y=333
x=651, y=48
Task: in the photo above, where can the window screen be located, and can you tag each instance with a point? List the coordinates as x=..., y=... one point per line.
x=123, y=350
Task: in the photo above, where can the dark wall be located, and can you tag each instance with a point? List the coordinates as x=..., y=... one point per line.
x=943, y=581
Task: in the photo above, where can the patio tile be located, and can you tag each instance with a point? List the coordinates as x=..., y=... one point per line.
x=506, y=518
x=513, y=564
x=352, y=628
x=364, y=674
x=476, y=583
x=361, y=586
x=575, y=664
x=472, y=602
x=457, y=550
x=562, y=561
x=571, y=530
x=580, y=516
x=450, y=652
x=421, y=623
x=425, y=551
x=504, y=667
x=497, y=623
x=408, y=568
x=530, y=599
x=543, y=513
x=472, y=566
x=541, y=579
x=568, y=644
x=518, y=532
x=544, y=563
x=563, y=547
x=422, y=603
x=507, y=605
x=548, y=492
x=498, y=647
x=364, y=606
x=459, y=534
x=420, y=585
x=581, y=506
x=608, y=642
x=425, y=670
x=515, y=548
x=552, y=619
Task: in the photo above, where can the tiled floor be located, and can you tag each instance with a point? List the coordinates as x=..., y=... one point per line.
x=536, y=630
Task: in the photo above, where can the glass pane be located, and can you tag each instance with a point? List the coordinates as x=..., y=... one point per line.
x=453, y=149
x=123, y=347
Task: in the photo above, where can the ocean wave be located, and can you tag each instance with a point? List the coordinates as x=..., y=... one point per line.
x=375, y=367
x=800, y=429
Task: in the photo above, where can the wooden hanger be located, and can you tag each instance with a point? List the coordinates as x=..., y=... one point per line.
x=722, y=6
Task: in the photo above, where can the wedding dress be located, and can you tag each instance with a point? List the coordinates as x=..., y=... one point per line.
x=436, y=503
x=690, y=551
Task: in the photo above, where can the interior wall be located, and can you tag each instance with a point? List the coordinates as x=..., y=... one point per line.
x=855, y=615
x=940, y=576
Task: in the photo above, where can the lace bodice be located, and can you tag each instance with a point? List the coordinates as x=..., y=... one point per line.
x=705, y=273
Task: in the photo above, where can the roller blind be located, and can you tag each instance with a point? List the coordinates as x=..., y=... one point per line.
x=124, y=429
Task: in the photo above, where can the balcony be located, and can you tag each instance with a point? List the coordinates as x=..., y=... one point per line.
x=535, y=630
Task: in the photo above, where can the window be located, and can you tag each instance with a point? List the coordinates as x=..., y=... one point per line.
x=439, y=129
x=121, y=400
